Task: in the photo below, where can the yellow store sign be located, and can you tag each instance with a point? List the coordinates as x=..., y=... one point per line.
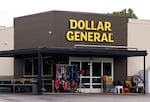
x=89, y=31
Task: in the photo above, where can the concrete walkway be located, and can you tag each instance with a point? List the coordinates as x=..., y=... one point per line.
x=74, y=98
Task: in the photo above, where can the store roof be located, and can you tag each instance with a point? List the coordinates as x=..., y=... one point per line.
x=74, y=52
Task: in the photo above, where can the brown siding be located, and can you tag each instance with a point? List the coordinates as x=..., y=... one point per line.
x=119, y=27
x=120, y=68
x=33, y=31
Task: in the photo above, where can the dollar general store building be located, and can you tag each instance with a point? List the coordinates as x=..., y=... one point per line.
x=100, y=44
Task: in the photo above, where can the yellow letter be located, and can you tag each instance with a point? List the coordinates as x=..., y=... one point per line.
x=76, y=36
x=110, y=38
x=92, y=25
x=107, y=26
x=83, y=36
x=81, y=24
x=70, y=36
x=73, y=24
x=90, y=36
x=87, y=25
x=96, y=37
x=100, y=26
x=104, y=37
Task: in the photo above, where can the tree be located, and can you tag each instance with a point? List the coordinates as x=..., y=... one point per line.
x=125, y=12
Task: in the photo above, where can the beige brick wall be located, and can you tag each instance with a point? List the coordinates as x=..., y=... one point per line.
x=6, y=43
x=138, y=37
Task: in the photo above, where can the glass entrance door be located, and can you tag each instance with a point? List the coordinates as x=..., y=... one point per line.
x=85, y=78
x=91, y=80
x=96, y=77
x=107, y=68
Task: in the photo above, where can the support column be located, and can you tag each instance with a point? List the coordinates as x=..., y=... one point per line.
x=144, y=75
x=39, y=72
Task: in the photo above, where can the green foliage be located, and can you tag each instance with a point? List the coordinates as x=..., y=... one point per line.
x=125, y=12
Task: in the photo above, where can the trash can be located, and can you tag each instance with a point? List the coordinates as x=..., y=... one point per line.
x=35, y=86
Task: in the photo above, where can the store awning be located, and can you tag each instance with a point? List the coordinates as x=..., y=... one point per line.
x=74, y=52
x=95, y=52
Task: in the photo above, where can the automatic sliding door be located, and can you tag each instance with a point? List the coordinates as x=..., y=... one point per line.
x=94, y=69
x=107, y=68
x=85, y=78
x=96, y=76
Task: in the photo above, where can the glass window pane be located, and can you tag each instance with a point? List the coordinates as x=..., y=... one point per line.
x=85, y=86
x=96, y=86
x=107, y=68
x=96, y=80
x=35, y=67
x=96, y=69
x=76, y=63
x=85, y=80
x=86, y=68
x=47, y=66
x=28, y=67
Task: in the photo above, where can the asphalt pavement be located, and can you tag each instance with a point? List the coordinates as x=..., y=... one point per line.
x=80, y=97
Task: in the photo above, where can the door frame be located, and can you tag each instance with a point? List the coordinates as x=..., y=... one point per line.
x=91, y=60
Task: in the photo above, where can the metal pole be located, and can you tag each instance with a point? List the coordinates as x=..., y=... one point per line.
x=39, y=73
x=144, y=75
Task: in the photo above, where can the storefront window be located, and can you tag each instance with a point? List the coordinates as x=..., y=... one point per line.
x=76, y=63
x=47, y=66
x=96, y=69
x=86, y=68
x=28, y=67
x=35, y=67
x=107, y=68
x=31, y=66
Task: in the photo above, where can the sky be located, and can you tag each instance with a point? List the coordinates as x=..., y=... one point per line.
x=9, y=9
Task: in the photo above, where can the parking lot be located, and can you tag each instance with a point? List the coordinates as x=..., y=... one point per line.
x=73, y=98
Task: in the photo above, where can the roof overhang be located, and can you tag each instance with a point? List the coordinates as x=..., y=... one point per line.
x=74, y=52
